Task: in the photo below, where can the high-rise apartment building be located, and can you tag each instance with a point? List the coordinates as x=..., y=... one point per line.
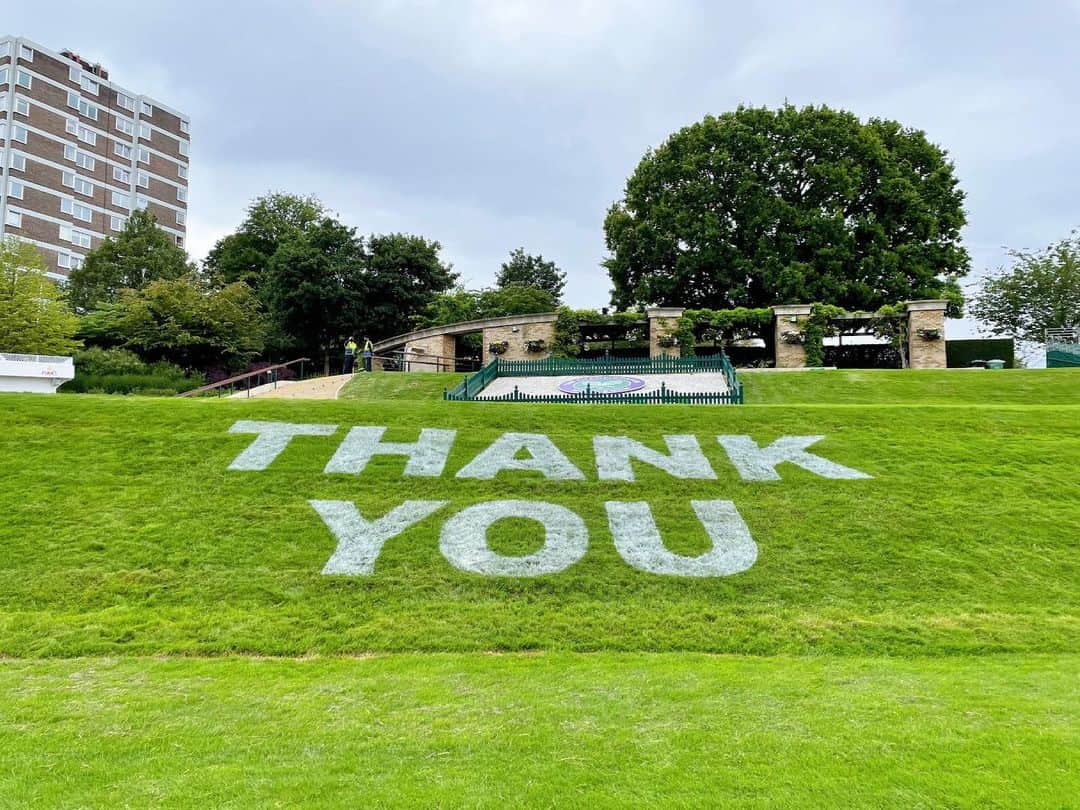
x=79, y=153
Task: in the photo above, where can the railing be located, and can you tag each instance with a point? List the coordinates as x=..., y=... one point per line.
x=471, y=387
x=34, y=358
x=270, y=372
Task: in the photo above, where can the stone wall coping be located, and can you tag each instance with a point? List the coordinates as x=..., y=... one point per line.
x=464, y=327
x=665, y=312
x=792, y=309
x=926, y=305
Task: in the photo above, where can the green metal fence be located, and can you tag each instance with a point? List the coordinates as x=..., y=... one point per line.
x=472, y=386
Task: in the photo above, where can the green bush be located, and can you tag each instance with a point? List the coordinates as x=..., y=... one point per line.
x=118, y=371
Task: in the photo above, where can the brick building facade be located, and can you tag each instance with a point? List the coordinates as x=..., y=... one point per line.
x=79, y=153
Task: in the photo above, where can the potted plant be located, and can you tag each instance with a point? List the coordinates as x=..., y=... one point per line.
x=793, y=338
x=535, y=346
x=929, y=334
x=667, y=341
x=498, y=348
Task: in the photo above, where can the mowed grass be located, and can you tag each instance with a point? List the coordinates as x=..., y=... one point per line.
x=913, y=387
x=378, y=386
x=908, y=640
x=605, y=730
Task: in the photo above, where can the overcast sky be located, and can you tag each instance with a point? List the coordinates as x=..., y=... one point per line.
x=489, y=124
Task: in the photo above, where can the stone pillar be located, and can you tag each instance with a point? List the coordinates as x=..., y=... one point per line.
x=663, y=322
x=430, y=354
x=925, y=350
x=517, y=339
x=790, y=318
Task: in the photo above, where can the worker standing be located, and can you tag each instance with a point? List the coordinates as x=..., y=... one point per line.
x=350, y=355
x=369, y=352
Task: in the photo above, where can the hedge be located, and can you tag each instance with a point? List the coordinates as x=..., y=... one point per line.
x=960, y=353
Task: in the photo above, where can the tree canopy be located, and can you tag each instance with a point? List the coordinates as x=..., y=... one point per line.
x=471, y=305
x=759, y=207
x=183, y=321
x=525, y=270
x=34, y=317
x=138, y=255
x=1040, y=291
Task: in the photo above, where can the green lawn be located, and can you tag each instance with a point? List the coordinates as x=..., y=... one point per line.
x=382, y=386
x=605, y=730
x=911, y=639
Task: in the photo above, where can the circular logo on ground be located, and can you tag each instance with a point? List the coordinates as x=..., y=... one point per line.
x=602, y=384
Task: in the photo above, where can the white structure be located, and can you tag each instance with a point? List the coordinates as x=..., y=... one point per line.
x=34, y=373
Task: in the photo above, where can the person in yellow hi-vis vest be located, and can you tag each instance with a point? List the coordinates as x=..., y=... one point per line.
x=350, y=355
x=369, y=352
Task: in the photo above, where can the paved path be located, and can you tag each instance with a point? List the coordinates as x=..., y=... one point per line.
x=317, y=388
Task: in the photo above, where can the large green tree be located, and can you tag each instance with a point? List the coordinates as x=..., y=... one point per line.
x=138, y=255
x=525, y=270
x=759, y=207
x=34, y=317
x=1040, y=291
x=403, y=274
x=315, y=286
x=470, y=305
x=271, y=221
x=185, y=321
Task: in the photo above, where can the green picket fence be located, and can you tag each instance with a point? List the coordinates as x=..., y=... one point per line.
x=472, y=386
x=661, y=397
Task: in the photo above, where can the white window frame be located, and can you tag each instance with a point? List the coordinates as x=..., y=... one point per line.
x=22, y=106
x=76, y=210
x=181, y=218
x=22, y=74
x=87, y=135
x=16, y=190
x=116, y=222
x=122, y=150
x=69, y=261
x=121, y=175
x=4, y=75
x=74, y=236
x=144, y=156
x=125, y=125
x=181, y=194
x=185, y=126
x=121, y=200
x=145, y=132
x=141, y=202
x=89, y=85
x=18, y=162
x=26, y=52
x=125, y=101
x=184, y=148
x=142, y=179
x=19, y=133
x=13, y=219
x=146, y=108
x=182, y=171
x=85, y=161
x=84, y=187
x=179, y=241
x=5, y=49
x=74, y=74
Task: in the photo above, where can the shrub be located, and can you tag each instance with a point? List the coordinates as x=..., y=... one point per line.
x=118, y=371
x=99, y=362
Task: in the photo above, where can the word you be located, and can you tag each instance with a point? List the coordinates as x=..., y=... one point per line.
x=463, y=539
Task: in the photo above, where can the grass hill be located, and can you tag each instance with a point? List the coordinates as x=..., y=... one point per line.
x=905, y=639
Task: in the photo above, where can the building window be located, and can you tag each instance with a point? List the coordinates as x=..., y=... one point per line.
x=144, y=155
x=22, y=106
x=121, y=200
x=13, y=218
x=80, y=185
x=147, y=108
x=76, y=210
x=181, y=218
x=15, y=189
x=87, y=135
x=185, y=127
x=143, y=180
x=125, y=101
x=18, y=162
x=124, y=125
x=76, y=237
x=84, y=161
x=117, y=223
x=89, y=85
x=74, y=74
x=18, y=133
x=184, y=148
x=23, y=79
x=3, y=75
x=121, y=175
x=69, y=261
x=181, y=171
x=5, y=49
x=123, y=151
x=26, y=53
x=142, y=203
x=83, y=106
x=181, y=194
x=144, y=131
x=179, y=240
x=71, y=126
